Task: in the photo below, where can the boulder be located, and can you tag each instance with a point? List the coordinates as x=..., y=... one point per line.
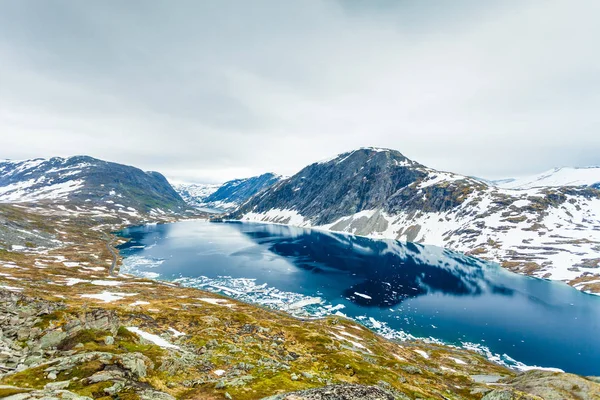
x=52, y=339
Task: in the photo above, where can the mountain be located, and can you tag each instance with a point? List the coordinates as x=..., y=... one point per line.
x=87, y=181
x=565, y=176
x=194, y=194
x=550, y=232
x=227, y=196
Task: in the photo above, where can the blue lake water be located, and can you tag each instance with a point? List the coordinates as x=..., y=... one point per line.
x=402, y=290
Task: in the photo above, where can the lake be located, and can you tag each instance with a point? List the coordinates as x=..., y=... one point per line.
x=402, y=290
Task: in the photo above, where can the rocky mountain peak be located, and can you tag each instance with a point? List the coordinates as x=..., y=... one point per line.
x=364, y=155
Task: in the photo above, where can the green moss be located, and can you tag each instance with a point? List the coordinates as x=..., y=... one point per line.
x=46, y=320
x=5, y=392
x=81, y=371
x=32, y=378
x=151, y=351
x=125, y=334
x=269, y=385
x=128, y=395
x=83, y=337
x=94, y=391
x=7, y=255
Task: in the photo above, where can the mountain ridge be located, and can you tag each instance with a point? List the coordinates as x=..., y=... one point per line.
x=83, y=180
x=227, y=196
x=382, y=194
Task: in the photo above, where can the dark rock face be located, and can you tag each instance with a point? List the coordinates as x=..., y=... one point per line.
x=83, y=179
x=380, y=192
x=239, y=190
x=363, y=179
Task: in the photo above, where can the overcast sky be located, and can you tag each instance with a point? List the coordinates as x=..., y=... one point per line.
x=207, y=91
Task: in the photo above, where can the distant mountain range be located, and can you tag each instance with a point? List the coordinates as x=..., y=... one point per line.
x=227, y=196
x=195, y=194
x=87, y=181
x=565, y=176
x=547, y=231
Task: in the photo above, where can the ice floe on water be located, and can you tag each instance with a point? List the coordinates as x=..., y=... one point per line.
x=247, y=290
x=137, y=265
x=299, y=305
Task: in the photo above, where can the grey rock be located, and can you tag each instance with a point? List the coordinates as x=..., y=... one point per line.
x=136, y=363
x=18, y=396
x=103, y=376
x=52, y=339
x=486, y=378
x=339, y=392
x=57, y=385
x=155, y=395
x=555, y=386
x=109, y=340
x=114, y=389
x=499, y=395
x=411, y=369
x=240, y=381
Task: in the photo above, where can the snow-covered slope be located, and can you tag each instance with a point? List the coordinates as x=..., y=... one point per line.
x=227, y=196
x=551, y=232
x=565, y=176
x=195, y=193
x=86, y=180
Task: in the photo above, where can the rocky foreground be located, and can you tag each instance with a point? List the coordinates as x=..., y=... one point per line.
x=69, y=329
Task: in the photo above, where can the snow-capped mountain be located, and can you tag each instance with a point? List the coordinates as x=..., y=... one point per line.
x=88, y=181
x=551, y=232
x=227, y=196
x=565, y=176
x=194, y=194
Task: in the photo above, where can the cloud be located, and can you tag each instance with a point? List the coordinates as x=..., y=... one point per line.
x=209, y=91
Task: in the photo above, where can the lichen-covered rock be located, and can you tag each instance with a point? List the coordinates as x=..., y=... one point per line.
x=52, y=339
x=339, y=392
x=556, y=385
x=136, y=363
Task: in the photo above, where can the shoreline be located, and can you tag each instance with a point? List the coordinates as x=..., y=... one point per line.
x=395, y=335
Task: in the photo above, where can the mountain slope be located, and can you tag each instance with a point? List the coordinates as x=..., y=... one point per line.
x=565, y=176
x=194, y=194
x=228, y=195
x=546, y=232
x=86, y=180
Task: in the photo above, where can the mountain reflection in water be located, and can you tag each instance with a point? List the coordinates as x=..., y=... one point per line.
x=390, y=271
x=398, y=289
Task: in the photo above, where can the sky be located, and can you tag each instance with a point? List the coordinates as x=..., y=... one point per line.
x=207, y=91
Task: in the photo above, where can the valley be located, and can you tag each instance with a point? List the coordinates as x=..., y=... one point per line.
x=72, y=327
